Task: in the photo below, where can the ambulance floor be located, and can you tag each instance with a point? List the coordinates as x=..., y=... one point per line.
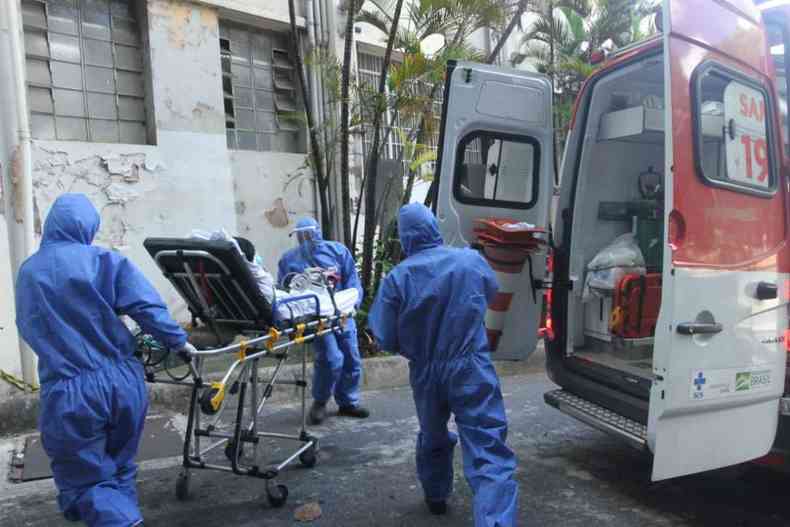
x=640, y=366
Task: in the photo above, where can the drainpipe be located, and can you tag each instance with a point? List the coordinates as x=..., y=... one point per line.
x=21, y=167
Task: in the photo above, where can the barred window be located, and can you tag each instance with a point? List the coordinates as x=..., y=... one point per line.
x=262, y=108
x=368, y=71
x=84, y=70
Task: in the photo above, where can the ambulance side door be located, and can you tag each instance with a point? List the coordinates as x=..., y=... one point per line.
x=719, y=362
x=496, y=160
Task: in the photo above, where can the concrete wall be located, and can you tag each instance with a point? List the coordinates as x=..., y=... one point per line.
x=268, y=10
x=272, y=192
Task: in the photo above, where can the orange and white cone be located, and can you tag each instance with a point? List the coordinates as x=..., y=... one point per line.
x=507, y=263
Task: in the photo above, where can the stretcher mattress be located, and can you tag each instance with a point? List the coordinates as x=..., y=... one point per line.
x=345, y=300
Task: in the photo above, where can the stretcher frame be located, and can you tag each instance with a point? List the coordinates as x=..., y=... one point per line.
x=242, y=377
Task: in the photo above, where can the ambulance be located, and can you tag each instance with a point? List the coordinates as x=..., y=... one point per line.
x=668, y=286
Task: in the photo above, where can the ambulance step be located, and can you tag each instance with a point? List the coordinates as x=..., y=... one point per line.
x=599, y=417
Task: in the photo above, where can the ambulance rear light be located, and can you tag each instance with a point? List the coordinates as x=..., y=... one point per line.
x=787, y=340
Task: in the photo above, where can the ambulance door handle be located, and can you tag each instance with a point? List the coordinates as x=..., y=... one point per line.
x=766, y=291
x=700, y=328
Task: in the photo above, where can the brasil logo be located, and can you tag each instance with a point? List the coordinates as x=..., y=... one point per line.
x=743, y=381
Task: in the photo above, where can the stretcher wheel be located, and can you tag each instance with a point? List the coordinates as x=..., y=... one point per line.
x=309, y=458
x=182, y=486
x=277, y=495
x=229, y=450
x=205, y=401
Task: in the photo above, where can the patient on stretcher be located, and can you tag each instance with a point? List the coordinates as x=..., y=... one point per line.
x=301, y=285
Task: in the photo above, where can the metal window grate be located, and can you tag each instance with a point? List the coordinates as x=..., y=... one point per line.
x=84, y=70
x=262, y=108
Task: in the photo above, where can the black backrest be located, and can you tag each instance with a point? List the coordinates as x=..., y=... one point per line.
x=214, y=279
x=246, y=247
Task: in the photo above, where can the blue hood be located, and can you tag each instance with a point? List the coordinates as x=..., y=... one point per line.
x=418, y=229
x=72, y=218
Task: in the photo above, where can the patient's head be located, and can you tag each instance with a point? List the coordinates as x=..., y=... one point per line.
x=246, y=247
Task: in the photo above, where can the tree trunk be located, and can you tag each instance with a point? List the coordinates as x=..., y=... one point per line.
x=315, y=145
x=522, y=6
x=372, y=164
x=345, y=192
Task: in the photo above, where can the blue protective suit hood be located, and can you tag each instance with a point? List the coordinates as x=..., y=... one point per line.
x=418, y=229
x=72, y=218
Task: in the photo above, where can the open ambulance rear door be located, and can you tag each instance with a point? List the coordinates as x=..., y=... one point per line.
x=496, y=160
x=719, y=352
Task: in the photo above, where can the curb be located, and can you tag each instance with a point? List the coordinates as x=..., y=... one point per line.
x=19, y=411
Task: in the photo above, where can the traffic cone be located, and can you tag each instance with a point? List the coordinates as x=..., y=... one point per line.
x=507, y=263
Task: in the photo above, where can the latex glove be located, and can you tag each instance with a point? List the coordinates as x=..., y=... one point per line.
x=186, y=351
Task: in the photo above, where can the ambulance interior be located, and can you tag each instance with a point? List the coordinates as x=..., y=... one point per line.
x=617, y=231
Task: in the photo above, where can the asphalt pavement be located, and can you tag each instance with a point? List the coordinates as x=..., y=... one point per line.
x=569, y=475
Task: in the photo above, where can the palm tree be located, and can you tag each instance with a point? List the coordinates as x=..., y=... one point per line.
x=518, y=12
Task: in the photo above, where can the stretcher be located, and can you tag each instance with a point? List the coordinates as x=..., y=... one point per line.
x=213, y=279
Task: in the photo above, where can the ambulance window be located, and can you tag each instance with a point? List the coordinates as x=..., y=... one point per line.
x=776, y=43
x=497, y=170
x=733, y=135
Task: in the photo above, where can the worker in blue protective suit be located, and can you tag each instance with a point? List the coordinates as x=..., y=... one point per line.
x=69, y=297
x=430, y=308
x=338, y=367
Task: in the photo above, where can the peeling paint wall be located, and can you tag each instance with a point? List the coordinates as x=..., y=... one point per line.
x=185, y=67
x=272, y=192
x=182, y=182
x=188, y=179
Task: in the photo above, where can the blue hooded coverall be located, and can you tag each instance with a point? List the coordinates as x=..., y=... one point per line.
x=338, y=366
x=430, y=308
x=69, y=296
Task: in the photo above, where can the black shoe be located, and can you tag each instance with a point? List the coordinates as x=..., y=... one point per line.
x=437, y=507
x=353, y=411
x=317, y=413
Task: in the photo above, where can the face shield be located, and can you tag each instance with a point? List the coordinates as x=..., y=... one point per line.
x=304, y=234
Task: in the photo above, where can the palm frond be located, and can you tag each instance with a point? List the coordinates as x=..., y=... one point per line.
x=375, y=18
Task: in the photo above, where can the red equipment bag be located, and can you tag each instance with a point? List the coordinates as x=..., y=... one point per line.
x=637, y=300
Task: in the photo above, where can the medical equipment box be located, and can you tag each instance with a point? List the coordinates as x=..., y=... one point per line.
x=637, y=300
